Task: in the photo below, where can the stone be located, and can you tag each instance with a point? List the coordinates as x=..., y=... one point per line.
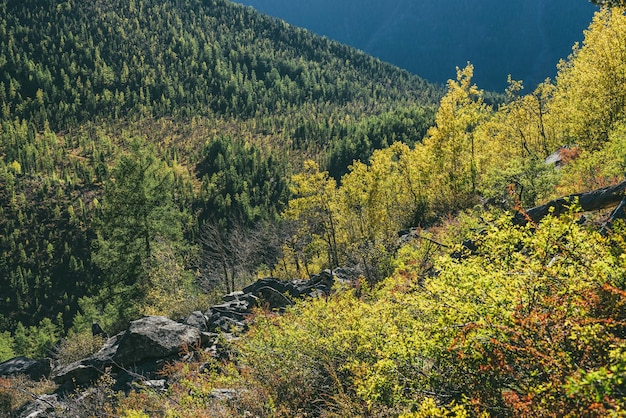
x=273, y=298
x=154, y=337
x=97, y=331
x=224, y=394
x=16, y=365
x=197, y=320
x=227, y=324
x=278, y=285
x=233, y=296
x=159, y=385
x=88, y=369
x=23, y=365
x=44, y=406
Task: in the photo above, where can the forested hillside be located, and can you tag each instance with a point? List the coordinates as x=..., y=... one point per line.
x=130, y=124
x=458, y=303
x=67, y=62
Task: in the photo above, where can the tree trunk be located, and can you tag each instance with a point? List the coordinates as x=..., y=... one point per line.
x=594, y=200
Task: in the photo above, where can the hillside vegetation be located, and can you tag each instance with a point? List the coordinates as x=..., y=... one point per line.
x=128, y=125
x=467, y=315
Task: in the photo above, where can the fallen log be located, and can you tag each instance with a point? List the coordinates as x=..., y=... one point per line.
x=604, y=198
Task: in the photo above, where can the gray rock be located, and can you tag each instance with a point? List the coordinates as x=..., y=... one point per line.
x=22, y=365
x=159, y=385
x=154, y=337
x=227, y=324
x=197, y=320
x=274, y=299
x=44, y=406
x=208, y=338
x=88, y=369
x=278, y=285
x=224, y=394
x=233, y=296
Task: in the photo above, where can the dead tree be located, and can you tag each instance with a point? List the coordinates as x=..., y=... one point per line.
x=598, y=199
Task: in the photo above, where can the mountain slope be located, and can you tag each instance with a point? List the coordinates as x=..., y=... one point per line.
x=224, y=103
x=71, y=61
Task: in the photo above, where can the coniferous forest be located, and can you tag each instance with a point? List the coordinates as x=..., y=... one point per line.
x=156, y=155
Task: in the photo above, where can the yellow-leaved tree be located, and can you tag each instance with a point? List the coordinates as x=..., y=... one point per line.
x=378, y=200
x=453, y=150
x=590, y=92
x=313, y=208
x=519, y=137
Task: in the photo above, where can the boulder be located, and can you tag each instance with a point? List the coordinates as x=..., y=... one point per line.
x=197, y=320
x=274, y=299
x=221, y=323
x=43, y=406
x=88, y=369
x=278, y=285
x=23, y=365
x=154, y=337
x=143, y=347
x=233, y=296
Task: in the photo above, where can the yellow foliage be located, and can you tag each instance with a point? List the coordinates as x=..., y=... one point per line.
x=388, y=347
x=78, y=346
x=16, y=167
x=453, y=150
x=429, y=409
x=591, y=85
x=593, y=169
x=169, y=290
x=134, y=414
x=313, y=206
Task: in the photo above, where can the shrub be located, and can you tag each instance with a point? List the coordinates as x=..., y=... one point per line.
x=78, y=345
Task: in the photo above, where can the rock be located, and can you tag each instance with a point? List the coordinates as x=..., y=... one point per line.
x=323, y=281
x=278, y=285
x=22, y=365
x=97, y=331
x=345, y=275
x=127, y=379
x=273, y=298
x=159, y=385
x=197, y=320
x=88, y=369
x=154, y=337
x=236, y=309
x=252, y=300
x=233, y=296
x=226, y=324
x=143, y=348
x=224, y=394
x=138, y=354
x=207, y=339
x=16, y=365
x=44, y=406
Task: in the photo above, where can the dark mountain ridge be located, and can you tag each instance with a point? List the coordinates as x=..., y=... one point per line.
x=524, y=39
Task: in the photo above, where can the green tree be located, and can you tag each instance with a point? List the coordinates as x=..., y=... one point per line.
x=6, y=346
x=138, y=210
x=35, y=341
